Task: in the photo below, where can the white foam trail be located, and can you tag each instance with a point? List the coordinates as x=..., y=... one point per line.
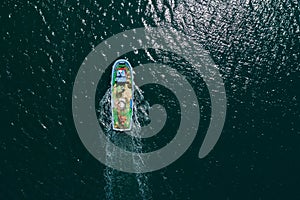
x=115, y=179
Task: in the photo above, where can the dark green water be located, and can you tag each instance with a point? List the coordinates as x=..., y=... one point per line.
x=256, y=46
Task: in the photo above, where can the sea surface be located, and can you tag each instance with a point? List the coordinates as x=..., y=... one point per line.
x=255, y=46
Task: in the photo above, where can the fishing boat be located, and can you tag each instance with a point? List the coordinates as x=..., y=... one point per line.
x=122, y=89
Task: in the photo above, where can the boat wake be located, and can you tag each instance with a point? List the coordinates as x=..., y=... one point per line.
x=117, y=182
